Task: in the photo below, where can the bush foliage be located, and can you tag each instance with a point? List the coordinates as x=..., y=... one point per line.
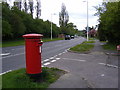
x=109, y=18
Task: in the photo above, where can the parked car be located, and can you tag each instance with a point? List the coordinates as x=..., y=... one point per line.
x=72, y=37
x=67, y=37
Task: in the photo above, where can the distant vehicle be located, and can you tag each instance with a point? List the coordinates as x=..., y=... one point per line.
x=67, y=37
x=72, y=37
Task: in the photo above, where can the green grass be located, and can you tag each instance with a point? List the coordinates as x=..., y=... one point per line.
x=103, y=41
x=21, y=42
x=91, y=38
x=85, y=42
x=54, y=39
x=12, y=43
x=19, y=78
x=109, y=46
x=82, y=47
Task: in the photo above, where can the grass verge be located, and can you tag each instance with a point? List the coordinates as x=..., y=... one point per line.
x=91, y=38
x=82, y=47
x=21, y=42
x=109, y=46
x=19, y=78
x=85, y=42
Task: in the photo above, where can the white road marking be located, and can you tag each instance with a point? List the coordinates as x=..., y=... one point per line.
x=5, y=72
x=51, y=57
x=13, y=55
x=63, y=52
x=109, y=65
x=102, y=75
x=74, y=59
x=60, y=54
x=46, y=60
x=68, y=49
x=4, y=54
x=53, y=60
x=102, y=63
x=46, y=63
x=57, y=58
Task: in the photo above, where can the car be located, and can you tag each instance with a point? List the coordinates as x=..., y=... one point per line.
x=72, y=37
x=67, y=37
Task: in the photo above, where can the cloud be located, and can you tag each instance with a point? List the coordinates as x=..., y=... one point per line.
x=77, y=10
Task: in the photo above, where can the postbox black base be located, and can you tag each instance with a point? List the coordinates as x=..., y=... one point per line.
x=36, y=77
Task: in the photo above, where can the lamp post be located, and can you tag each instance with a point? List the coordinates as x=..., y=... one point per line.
x=87, y=21
x=51, y=24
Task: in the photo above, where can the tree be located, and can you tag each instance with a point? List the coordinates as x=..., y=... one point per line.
x=109, y=18
x=31, y=7
x=63, y=18
x=17, y=22
x=6, y=30
x=38, y=13
x=18, y=4
x=25, y=6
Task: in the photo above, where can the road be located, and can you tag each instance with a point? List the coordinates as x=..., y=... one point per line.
x=14, y=57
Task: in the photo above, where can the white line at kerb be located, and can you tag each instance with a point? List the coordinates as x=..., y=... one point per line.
x=5, y=72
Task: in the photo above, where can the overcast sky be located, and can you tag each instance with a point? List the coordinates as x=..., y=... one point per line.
x=77, y=10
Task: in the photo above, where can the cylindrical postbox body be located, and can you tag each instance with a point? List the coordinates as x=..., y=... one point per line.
x=33, y=53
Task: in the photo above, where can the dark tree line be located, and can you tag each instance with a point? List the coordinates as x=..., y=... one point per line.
x=15, y=23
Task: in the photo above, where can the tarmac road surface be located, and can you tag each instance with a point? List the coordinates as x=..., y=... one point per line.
x=14, y=57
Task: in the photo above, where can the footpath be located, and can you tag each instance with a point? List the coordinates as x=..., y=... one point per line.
x=87, y=70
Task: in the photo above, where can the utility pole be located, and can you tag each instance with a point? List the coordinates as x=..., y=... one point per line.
x=87, y=23
x=51, y=24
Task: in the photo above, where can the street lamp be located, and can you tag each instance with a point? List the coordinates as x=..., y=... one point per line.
x=51, y=24
x=87, y=20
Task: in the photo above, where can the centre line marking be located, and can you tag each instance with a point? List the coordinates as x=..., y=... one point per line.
x=51, y=57
x=60, y=54
x=46, y=60
x=57, y=58
x=53, y=60
x=46, y=64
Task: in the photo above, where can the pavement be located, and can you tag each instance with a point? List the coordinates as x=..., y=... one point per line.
x=87, y=70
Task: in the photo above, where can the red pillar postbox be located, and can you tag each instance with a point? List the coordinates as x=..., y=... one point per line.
x=33, y=43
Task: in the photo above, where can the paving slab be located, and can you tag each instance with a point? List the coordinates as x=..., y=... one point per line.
x=85, y=70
